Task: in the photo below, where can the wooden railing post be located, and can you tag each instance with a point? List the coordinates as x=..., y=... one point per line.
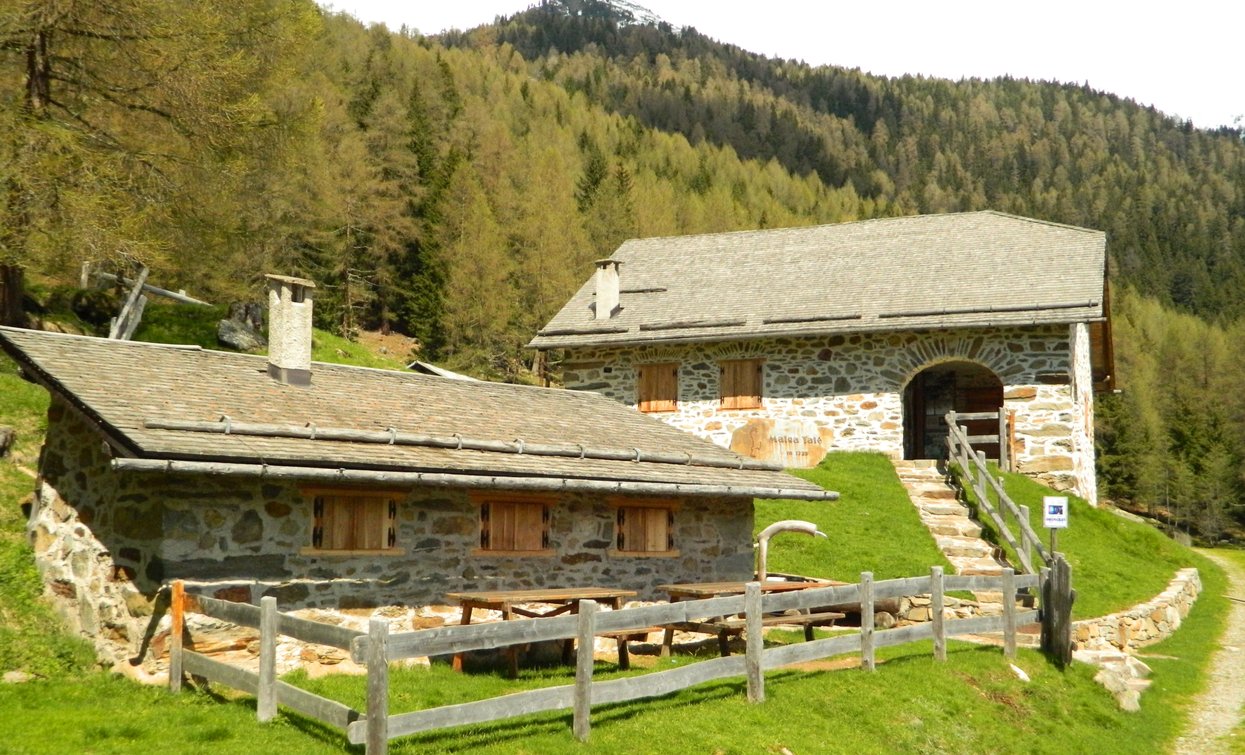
x=756, y=642
x=1004, y=463
x=935, y=613
x=866, y=621
x=266, y=699
x=1009, y=613
x=177, y=610
x=1025, y=540
x=581, y=724
x=377, y=742
x=1057, y=599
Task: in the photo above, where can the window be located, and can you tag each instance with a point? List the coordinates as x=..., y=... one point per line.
x=514, y=525
x=354, y=521
x=645, y=528
x=741, y=383
x=657, y=387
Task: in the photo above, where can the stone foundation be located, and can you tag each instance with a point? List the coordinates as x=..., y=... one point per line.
x=1143, y=624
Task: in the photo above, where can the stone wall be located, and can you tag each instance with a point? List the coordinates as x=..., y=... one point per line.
x=1145, y=623
x=106, y=542
x=845, y=392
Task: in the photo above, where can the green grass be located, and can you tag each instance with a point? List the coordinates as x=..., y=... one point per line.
x=165, y=322
x=872, y=527
x=1116, y=563
x=326, y=347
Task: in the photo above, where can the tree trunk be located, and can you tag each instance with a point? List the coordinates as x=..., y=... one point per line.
x=12, y=290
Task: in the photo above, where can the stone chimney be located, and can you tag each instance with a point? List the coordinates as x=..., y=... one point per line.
x=607, y=304
x=289, y=329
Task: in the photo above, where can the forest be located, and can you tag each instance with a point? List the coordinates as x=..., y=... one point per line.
x=457, y=188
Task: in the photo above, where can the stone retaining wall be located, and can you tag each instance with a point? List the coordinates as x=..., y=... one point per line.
x=1143, y=624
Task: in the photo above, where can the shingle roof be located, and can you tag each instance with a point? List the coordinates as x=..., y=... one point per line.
x=926, y=271
x=125, y=388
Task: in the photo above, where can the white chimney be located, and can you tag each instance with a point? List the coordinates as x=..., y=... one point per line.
x=607, y=289
x=289, y=329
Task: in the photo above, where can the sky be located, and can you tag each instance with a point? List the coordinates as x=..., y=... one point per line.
x=1183, y=58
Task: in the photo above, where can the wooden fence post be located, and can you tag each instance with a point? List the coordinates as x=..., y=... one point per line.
x=756, y=642
x=866, y=621
x=1004, y=464
x=1009, y=613
x=935, y=613
x=377, y=742
x=1025, y=541
x=1057, y=599
x=266, y=699
x=585, y=637
x=177, y=609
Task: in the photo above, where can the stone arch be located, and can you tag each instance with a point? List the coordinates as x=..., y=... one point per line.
x=944, y=385
x=929, y=350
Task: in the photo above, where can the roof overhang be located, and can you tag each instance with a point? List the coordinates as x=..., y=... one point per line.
x=343, y=476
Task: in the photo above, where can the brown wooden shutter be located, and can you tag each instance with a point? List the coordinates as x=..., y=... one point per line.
x=645, y=529
x=513, y=526
x=740, y=385
x=657, y=387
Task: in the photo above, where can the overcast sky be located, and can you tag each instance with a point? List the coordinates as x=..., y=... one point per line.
x=1185, y=58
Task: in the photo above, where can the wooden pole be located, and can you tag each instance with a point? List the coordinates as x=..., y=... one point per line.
x=1025, y=541
x=1009, y=613
x=582, y=721
x=935, y=612
x=377, y=742
x=177, y=607
x=753, y=616
x=266, y=699
x=866, y=621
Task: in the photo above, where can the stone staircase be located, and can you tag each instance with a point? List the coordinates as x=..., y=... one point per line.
x=957, y=535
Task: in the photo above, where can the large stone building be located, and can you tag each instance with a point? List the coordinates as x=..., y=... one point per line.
x=340, y=487
x=784, y=344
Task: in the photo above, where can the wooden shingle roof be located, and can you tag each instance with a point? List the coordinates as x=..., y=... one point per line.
x=926, y=271
x=185, y=404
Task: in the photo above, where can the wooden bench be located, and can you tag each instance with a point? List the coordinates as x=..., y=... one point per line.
x=625, y=636
x=729, y=626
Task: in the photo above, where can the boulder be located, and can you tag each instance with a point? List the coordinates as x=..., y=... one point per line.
x=7, y=437
x=242, y=330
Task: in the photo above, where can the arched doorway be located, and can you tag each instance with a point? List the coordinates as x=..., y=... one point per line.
x=960, y=386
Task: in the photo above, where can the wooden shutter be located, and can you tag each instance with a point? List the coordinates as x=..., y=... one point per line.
x=354, y=522
x=514, y=526
x=645, y=529
x=657, y=387
x=740, y=384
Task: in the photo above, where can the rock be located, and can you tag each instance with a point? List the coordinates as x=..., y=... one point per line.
x=17, y=677
x=7, y=437
x=243, y=329
x=883, y=620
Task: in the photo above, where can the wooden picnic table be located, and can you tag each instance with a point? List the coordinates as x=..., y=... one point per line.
x=558, y=601
x=725, y=626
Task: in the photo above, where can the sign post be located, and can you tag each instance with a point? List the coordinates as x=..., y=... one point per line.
x=1054, y=516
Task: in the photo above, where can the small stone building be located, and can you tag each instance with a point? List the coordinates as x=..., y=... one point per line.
x=784, y=344
x=346, y=487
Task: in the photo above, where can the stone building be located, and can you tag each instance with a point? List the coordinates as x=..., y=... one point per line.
x=333, y=486
x=784, y=344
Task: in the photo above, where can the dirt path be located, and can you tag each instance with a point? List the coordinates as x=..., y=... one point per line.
x=1218, y=709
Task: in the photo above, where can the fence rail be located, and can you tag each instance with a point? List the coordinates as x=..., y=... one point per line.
x=377, y=648
x=975, y=473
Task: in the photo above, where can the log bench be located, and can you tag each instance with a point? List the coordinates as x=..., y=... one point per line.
x=625, y=636
x=731, y=626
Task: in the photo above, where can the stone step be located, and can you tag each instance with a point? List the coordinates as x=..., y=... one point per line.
x=964, y=547
x=931, y=493
x=939, y=507
x=976, y=566
x=959, y=526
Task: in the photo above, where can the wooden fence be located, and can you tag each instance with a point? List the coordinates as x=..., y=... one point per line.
x=994, y=506
x=1002, y=436
x=377, y=648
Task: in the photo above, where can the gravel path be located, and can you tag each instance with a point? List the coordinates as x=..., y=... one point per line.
x=1218, y=709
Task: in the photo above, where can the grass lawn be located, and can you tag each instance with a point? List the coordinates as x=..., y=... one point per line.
x=872, y=527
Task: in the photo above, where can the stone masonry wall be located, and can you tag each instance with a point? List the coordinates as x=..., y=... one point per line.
x=845, y=392
x=1143, y=624
x=106, y=543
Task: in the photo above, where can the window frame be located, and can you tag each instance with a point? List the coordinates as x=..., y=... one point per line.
x=485, y=506
x=623, y=505
x=737, y=399
x=387, y=521
x=648, y=395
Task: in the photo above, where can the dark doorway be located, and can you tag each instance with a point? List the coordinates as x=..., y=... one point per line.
x=963, y=387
